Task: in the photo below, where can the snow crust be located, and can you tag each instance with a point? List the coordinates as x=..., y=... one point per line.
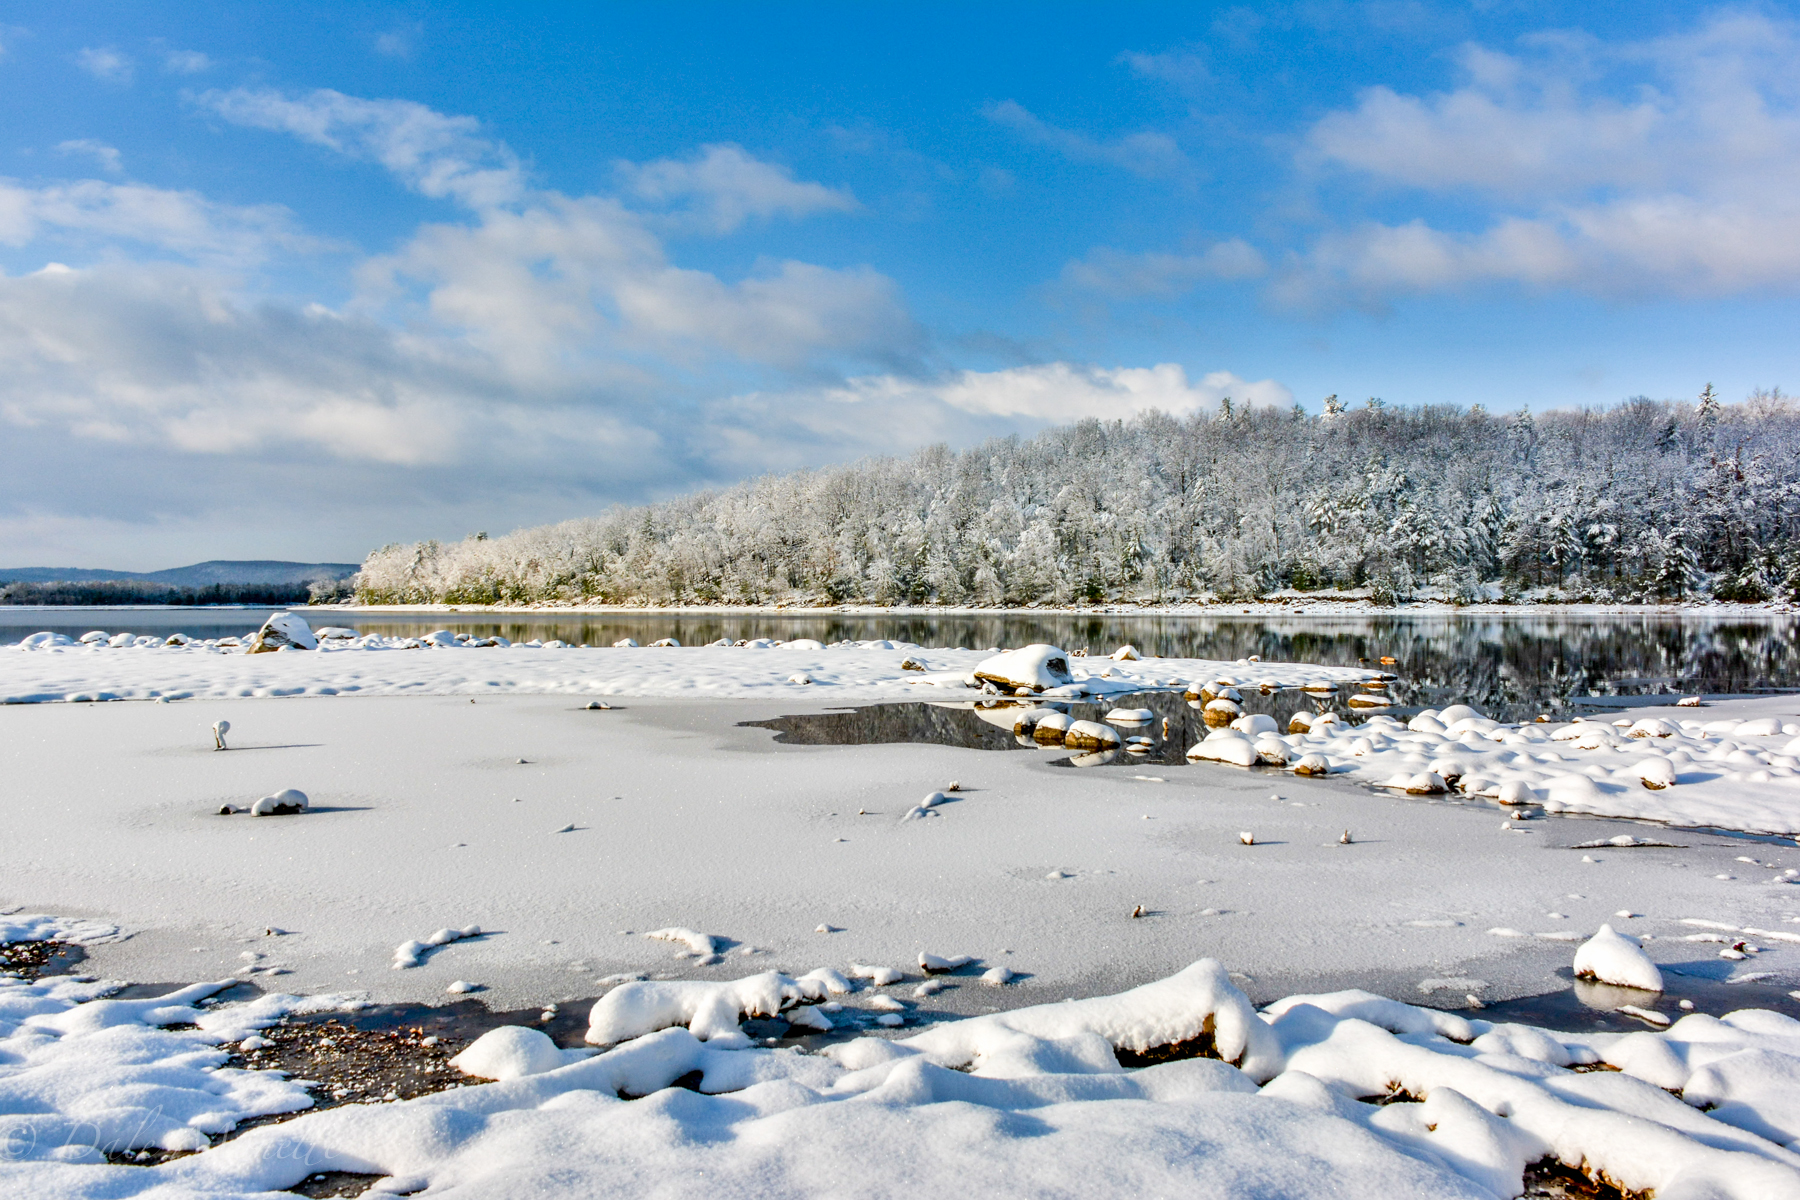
x=1025, y=1103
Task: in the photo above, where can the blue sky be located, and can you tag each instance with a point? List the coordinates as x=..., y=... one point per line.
x=296, y=282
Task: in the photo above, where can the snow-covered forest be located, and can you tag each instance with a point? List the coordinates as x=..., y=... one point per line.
x=1645, y=500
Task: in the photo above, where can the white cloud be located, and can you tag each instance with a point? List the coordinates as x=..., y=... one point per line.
x=1669, y=166
x=93, y=211
x=186, y=62
x=106, y=156
x=723, y=187
x=543, y=346
x=1122, y=276
x=583, y=279
x=104, y=62
x=1149, y=154
x=445, y=157
x=1057, y=392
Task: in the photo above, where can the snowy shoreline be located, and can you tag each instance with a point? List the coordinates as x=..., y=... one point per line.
x=1348, y=1092
x=1303, y=604
x=682, y=865
x=1307, y=604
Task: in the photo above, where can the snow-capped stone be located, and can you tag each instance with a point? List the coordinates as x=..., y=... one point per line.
x=1226, y=746
x=1125, y=653
x=1036, y=667
x=1131, y=716
x=1616, y=958
x=1090, y=735
x=286, y=802
x=625, y=644
x=283, y=629
x=933, y=964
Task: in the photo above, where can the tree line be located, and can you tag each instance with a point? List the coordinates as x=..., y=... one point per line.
x=136, y=591
x=1639, y=501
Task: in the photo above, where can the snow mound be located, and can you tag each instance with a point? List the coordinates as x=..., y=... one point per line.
x=1024, y=1103
x=1616, y=958
x=40, y=927
x=411, y=954
x=709, y=1010
x=699, y=945
x=514, y=1051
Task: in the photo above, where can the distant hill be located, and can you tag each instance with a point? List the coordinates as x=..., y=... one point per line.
x=216, y=571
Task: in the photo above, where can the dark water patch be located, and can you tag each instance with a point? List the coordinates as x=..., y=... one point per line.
x=1589, y=1007
x=988, y=724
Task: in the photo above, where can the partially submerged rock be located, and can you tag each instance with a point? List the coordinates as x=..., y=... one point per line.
x=1616, y=958
x=286, y=802
x=283, y=631
x=1035, y=667
x=1090, y=735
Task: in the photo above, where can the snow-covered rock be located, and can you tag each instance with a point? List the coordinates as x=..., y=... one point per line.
x=286, y=802
x=283, y=630
x=1090, y=735
x=1613, y=957
x=1036, y=667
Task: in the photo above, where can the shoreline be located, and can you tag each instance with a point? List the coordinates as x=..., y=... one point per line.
x=1311, y=607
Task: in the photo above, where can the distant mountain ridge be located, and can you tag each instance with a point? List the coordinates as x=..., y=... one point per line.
x=222, y=571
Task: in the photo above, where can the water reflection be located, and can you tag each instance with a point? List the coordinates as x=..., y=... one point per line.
x=1513, y=666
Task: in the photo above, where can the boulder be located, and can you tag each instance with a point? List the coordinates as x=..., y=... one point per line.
x=1616, y=958
x=283, y=630
x=286, y=802
x=1090, y=735
x=1035, y=667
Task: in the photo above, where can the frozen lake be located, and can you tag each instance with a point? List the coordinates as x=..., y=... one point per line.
x=1511, y=666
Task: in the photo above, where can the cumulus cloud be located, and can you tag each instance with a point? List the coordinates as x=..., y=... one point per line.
x=104, y=62
x=537, y=350
x=723, y=187
x=1120, y=275
x=107, y=157
x=1670, y=165
x=437, y=155
x=1147, y=153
